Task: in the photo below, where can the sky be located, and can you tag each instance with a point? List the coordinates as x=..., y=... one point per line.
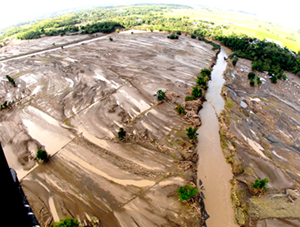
x=285, y=12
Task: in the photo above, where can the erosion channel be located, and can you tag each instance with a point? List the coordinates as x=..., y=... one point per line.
x=213, y=171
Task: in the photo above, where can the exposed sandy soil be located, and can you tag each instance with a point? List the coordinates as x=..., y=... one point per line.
x=260, y=137
x=72, y=102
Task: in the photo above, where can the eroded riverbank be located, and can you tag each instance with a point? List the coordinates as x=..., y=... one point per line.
x=260, y=139
x=73, y=101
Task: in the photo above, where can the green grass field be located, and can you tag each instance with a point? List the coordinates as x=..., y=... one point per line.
x=246, y=24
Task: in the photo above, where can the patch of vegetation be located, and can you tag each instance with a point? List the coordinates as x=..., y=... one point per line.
x=197, y=92
x=11, y=80
x=110, y=39
x=193, y=36
x=252, y=82
x=203, y=78
x=161, y=95
x=67, y=222
x=229, y=103
x=189, y=98
x=42, y=155
x=192, y=133
x=260, y=184
x=186, y=192
x=266, y=56
x=234, y=61
x=173, y=36
x=121, y=134
x=180, y=109
x=6, y=105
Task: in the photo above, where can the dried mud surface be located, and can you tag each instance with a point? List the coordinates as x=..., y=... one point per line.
x=73, y=101
x=260, y=131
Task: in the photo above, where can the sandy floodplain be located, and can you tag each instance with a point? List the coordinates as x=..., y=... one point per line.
x=72, y=102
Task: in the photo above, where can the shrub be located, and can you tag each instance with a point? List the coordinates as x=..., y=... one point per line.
x=205, y=72
x=189, y=98
x=234, y=61
x=161, y=95
x=274, y=79
x=178, y=32
x=252, y=82
x=186, y=192
x=261, y=184
x=121, y=134
x=284, y=77
x=180, y=109
x=117, y=30
x=11, y=80
x=110, y=38
x=42, y=155
x=173, y=36
x=193, y=36
x=251, y=75
x=67, y=222
x=197, y=92
x=258, y=80
x=192, y=133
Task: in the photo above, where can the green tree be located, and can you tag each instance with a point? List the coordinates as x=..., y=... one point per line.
x=192, y=133
x=161, y=95
x=261, y=184
x=258, y=80
x=42, y=155
x=252, y=82
x=186, y=192
x=197, y=92
x=67, y=222
x=110, y=39
x=121, y=134
x=251, y=75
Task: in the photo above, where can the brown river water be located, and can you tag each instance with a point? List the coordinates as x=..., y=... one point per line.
x=213, y=170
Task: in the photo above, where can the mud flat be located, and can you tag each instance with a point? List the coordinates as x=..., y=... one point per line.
x=259, y=131
x=73, y=101
x=213, y=171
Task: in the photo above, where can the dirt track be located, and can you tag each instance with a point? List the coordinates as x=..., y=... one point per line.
x=72, y=101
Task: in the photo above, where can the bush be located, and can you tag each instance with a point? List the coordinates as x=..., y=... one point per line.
x=274, y=79
x=234, y=61
x=251, y=75
x=173, y=36
x=180, y=109
x=178, y=32
x=261, y=184
x=258, y=80
x=161, y=95
x=284, y=77
x=189, y=98
x=186, y=192
x=110, y=39
x=192, y=133
x=121, y=134
x=67, y=222
x=193, y=36
x=197, y=92
x=117, y=30
x=42, y=155
x=11, y=80
x=252, y=82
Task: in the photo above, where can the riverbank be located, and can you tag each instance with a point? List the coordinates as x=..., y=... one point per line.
x=259, y=130
x=73, y=101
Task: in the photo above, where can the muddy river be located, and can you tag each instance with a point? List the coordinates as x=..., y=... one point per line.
x=72, y=102
x=213, y=170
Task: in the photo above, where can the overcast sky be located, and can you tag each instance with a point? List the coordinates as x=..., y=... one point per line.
x=13, y=11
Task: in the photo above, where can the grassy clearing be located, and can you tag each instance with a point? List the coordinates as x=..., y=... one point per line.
x=243, y=23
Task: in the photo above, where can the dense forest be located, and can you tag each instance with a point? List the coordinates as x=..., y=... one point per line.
x=266, y=56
